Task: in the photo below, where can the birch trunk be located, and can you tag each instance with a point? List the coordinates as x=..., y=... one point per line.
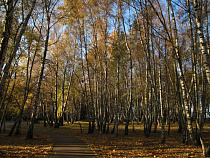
x=203, y=44
x=33, y=116
x=184, y=89
x=130, y=106
x=16, y=46
x=56, y=125
x=106, y=127
x=7, y=32
x=92, y=113
x=161, y=103
x=118, y=71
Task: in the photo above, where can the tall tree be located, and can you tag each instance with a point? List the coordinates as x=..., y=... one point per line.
x=49, y=7
x=10, y=7
x=17, y=41
x=203, y=43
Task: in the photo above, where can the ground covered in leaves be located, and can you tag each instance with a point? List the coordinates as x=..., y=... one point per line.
x=137, y=145
x=18, y=146
x=105, y=145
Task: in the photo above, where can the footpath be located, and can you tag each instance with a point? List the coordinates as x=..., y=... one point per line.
x=66, y=145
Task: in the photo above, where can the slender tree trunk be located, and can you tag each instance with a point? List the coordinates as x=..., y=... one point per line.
x=154, y=79
x=5, y=94
x=84, y=96
x=68, y=92
x=162, y=109
x=203, y=43
x=167, y=101
x=61, y=120
x=90, y=88
x=6, y=106
x=118, y=72
x=56, y=125
x=207, y=28
x=106, y=75
x=183, y=85
x=148, y=90
x=16, y=46
x=45, y=111
x=7, y=32
x=97, y=106
x=130, y=106
x=26, y=91
x=33, y=116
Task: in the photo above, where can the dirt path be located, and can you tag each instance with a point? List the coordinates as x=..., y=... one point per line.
x=67, y=145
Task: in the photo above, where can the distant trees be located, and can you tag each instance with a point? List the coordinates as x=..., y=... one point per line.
x=108, y=62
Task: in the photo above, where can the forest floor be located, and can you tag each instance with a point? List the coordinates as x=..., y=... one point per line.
x=136, y=144
x=19, y=146
x=105, y=145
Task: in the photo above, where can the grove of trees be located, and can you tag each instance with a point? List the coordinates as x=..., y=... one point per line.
x=106, y=62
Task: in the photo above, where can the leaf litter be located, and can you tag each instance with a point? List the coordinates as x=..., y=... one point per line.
x=18, y=146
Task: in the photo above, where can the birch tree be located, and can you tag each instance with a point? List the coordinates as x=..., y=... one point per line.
x=17, y=41
x=49, y=9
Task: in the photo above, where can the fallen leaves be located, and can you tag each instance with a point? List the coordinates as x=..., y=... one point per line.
x=137, y=145
x=18, y=146
x=106, y=145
